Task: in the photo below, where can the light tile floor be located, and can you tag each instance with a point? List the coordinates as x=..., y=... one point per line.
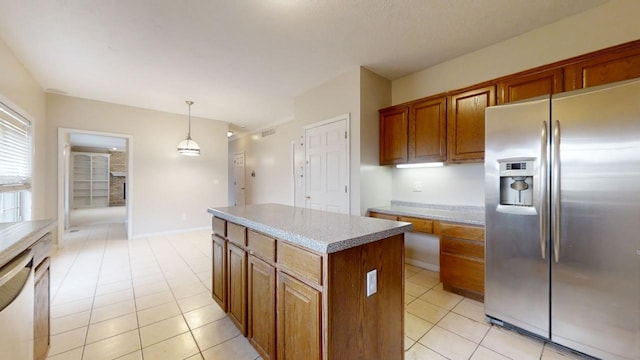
x=150, y=299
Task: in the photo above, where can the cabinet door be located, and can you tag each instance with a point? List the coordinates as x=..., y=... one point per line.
x=41, y=329
x=466, y=124
x=394, y=132
x=524, y=87
x=219, y=278
x=262, y=307
x=428, y=130
x=463, y=275
x=237, y=295
x=604, y=68
x=299, y=320
x=462, y=259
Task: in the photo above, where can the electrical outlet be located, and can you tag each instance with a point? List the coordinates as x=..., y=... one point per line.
x=372, y=282
x=417, y=186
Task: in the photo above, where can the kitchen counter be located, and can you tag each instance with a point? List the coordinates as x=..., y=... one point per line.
x=321, y=231
x=19, y=236
x=310, y=277
x=473, y=215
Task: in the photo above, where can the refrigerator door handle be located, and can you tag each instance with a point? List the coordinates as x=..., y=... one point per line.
x=555, y=191
x=543, y=190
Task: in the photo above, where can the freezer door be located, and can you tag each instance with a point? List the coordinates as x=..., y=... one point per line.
x=596, y=266
x=516, y=274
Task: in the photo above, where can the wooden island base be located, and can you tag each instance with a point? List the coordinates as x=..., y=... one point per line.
x=296, y=303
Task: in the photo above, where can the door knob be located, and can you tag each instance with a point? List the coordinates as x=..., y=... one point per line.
x=308, y=197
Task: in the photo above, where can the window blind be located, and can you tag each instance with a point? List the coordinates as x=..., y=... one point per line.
x=15, y=150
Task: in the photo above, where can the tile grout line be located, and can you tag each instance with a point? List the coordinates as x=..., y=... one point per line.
x=176, y=299
x=95, y=291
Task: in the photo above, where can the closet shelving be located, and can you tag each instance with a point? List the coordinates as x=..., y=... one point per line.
x=90, y=179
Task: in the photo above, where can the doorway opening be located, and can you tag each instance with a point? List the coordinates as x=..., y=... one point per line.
x=239, y=190
x=94, y=180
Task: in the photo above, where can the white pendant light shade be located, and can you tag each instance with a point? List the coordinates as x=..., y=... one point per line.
x=187, y=146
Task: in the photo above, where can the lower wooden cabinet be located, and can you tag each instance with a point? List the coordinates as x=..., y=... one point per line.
x=237, y=291
x=262, y=307
x=219, y=273
x=41, y=329
x=462, y=259
x=421, y=225
x=295, y=303
x=299, y=320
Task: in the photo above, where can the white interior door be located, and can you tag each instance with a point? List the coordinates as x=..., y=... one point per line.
x=327, y=165
x=239, y=197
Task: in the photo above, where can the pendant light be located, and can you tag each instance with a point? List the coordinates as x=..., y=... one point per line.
x=187, y=146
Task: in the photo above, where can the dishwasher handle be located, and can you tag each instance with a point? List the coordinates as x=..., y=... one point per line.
x=13, y=277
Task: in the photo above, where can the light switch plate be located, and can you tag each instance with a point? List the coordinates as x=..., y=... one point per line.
x=372, y=282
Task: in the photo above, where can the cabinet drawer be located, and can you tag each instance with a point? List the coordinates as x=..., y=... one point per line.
x=459, y=231
x=383, y=216
x=462, y=273
x=469, y=248
x=237, y=234
x=419, y=225
x=261, y=245
x=219, y=227
x=301, y=262
x=42, y=248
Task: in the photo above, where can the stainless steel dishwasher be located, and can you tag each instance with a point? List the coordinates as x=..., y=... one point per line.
x=16, y=308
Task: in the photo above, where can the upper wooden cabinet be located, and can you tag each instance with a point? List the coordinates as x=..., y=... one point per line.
x=519, y=87
x=451, y=128
x=394, y=132
x=466, y=124
x=414, y=133
x=428, y=130
x=604, y=67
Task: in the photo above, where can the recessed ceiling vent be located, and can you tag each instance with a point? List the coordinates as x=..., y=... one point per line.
x=266, y=133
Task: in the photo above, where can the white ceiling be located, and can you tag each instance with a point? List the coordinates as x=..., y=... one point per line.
x=244, y=61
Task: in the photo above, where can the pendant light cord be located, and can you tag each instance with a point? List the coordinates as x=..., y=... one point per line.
x=189, y=133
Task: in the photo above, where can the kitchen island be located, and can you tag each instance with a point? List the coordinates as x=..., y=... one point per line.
x=309, y=284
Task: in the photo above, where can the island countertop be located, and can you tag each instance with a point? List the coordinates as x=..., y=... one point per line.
x=19, y=236
x=322, y=231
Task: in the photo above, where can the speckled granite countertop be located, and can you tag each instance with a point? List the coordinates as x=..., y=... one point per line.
x=321, y=231
x=473, y=215
x=19, y=236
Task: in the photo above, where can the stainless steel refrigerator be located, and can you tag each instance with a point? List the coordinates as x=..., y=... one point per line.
x=562, y=191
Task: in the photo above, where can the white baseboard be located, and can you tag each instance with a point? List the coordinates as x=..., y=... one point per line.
x=172, y=232
x=422, y=264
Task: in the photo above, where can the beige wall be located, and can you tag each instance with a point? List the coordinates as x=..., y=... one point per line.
x=612, y=23
x=169, y=192
x=22, y=90
x=335, y=97
x=270, y=158
x=375, y=180
x=358, y=92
